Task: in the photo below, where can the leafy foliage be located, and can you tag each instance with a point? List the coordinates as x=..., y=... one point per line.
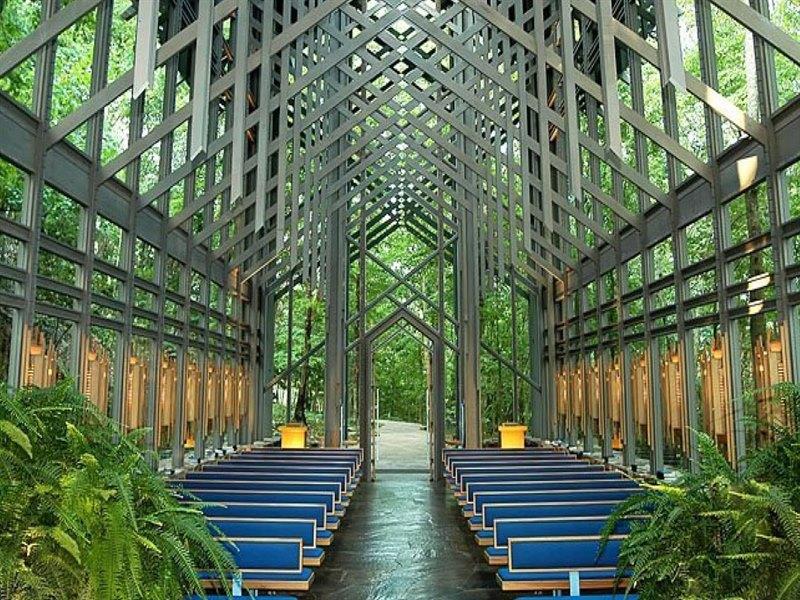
x=719, y=533
x=83, y=513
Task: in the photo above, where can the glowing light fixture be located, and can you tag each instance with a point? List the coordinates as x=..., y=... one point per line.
x=512, y=435
x=293, y=435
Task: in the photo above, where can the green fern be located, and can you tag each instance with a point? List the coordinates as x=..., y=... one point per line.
x=84, y=516
x=717, y=533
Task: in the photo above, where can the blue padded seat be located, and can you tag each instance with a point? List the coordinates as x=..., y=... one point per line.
x=266, y=564
x=597, y=579
x=324, y=537
x=313, y=556
x=269, y=497
x=491, y=512
x=537, y=476
x=497, y=553
x=354, y=453
x=275, y=467
x=451, y=456
x=461, y=472
x=545, y=496
x=496, y=556
x=544, y=564
x=290, y=462
x=306, y=530
x=532, y=486
x=507, y=456
x=500, y=463
x=618, y=596
x=299, y=453
x=504, y=529
x=254, y=486
x=316, y=512
x=223, y=476
x=215, y=597
x=484, y=537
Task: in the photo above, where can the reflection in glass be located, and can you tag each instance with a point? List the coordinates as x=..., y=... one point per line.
x=673, y=403
x=100, y=379
x=213, y=391
x=167, y=396
x=134, y=412
x=613, y=383
x=715, y=392
x=640, y=389
x=51, y=351
x=593, y=383
x=191, y=403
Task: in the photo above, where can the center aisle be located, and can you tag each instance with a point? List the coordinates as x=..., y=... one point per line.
x=404, y=538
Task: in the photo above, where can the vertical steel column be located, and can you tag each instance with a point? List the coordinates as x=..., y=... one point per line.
x=538, y=422
x=438, y=408
x=335, y=341
x=364, y=366
x=469, y=340
x=268, y=363
x=337, y=273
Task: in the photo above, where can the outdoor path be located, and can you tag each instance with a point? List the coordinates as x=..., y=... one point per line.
x=403, y=538
x=402, y=446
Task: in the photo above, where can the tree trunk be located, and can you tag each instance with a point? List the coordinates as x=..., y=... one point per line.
x=302, y=394
x=758, y=322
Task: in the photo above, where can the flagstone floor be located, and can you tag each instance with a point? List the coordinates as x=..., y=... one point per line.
x=403, y=538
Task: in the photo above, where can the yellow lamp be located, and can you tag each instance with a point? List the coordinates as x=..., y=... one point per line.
x=293, y=435
x=512, y=435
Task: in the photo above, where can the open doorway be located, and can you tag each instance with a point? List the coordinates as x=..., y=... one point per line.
x=369, y=398
x=401, y=382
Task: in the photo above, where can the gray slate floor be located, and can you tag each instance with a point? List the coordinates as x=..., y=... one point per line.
x=404, y=538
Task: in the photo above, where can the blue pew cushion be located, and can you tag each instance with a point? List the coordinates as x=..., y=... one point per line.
x=524, y=528
x=268, y=528
x=266, y=580
x=215, y=597
x=496, y=556
x=484, y=537
x=586, y=574
x=313, y=557
x=617, y=596
x=273, y=554
x=561, y=553
x=599, y=579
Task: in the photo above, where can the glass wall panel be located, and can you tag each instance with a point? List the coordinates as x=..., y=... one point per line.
x=714, y=388
x=673, y=402
x=18, y=19
x=614, y=403
x=596, y=406
x=167, y=401
x=7, y=318
x=747, y=215
x=191, y=404
x=100, y=380
x=760, y=355
x=53, y=351
x=640, y=388
x=140, y=367
x=213, y=403
x=12, y=188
